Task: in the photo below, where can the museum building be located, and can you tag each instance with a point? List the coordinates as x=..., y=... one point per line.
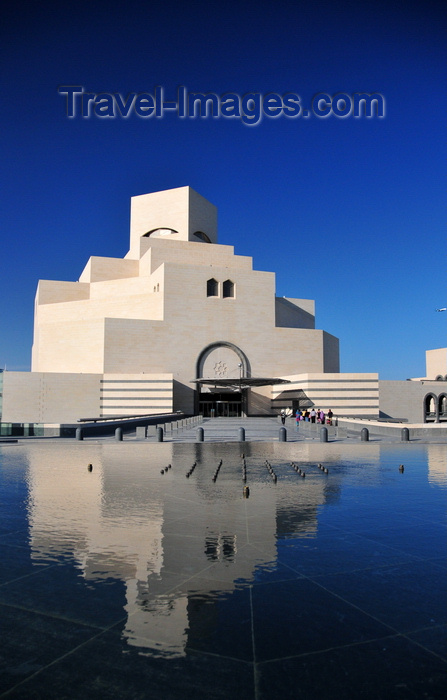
x=180, y=323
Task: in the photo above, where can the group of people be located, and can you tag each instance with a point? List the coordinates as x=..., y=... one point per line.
x=314, y=416
x=311, y=416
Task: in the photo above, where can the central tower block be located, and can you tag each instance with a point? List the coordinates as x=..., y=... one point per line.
x=180, y=214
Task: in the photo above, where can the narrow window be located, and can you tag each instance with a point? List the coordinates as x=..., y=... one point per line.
x=212, y=288
x=228, y=289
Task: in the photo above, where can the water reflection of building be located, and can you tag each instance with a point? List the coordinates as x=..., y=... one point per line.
x=437, y=465
x=72, y=514
x=177, y=545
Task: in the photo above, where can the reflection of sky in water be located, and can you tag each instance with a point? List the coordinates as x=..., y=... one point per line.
x=185, y=551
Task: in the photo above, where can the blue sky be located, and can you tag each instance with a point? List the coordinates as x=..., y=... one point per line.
x=349, y=212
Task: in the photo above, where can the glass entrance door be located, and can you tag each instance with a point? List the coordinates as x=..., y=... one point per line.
x=228, y=409
x=220, y=405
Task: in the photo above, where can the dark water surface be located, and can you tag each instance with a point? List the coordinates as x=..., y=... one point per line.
x=125, y=582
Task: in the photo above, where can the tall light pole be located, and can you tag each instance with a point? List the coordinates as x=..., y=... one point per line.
x=240, y=365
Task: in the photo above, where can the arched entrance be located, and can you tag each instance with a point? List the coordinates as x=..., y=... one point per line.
x=430, y=409
x=442, y=408
x=228, y=364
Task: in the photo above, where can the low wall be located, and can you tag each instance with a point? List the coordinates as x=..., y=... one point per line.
x=416, y=430
x=89, y=429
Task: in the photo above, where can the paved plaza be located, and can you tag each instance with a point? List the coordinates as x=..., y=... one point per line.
x=269, y=429
x=256, y=430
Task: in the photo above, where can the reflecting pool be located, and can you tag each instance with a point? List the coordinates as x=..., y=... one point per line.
x=175, y=570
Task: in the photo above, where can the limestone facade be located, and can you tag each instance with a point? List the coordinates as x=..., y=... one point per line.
x=134, y=334
x=436, y=364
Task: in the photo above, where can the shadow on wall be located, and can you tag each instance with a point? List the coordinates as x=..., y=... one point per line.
x=183, y=397
x=258, y=405
x=289, y=315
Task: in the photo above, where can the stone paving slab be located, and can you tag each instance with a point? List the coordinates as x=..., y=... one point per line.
x=256, y=430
